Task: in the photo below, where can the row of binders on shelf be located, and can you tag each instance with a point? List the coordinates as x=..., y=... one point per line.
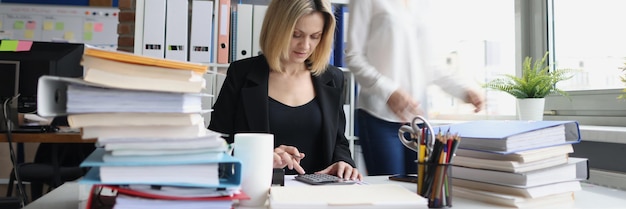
x=523, y=164
x=167, y=22
x=153, y=149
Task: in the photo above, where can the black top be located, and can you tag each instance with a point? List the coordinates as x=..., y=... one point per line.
x=300, y=127
x=242, y=106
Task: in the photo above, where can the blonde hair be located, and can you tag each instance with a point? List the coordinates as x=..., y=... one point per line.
x=278, y=27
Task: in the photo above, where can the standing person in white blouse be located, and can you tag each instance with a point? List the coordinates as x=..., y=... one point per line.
x=388, y=53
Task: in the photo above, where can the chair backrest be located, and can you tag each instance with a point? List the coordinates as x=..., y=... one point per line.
x=67, y=154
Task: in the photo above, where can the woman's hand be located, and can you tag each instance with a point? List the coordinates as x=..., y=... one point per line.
x=288, y=156
x=475, y=98
x=342, y=170
x=403, y=105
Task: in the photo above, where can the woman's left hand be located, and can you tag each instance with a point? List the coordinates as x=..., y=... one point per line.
x=475, y=98
x=342, y=170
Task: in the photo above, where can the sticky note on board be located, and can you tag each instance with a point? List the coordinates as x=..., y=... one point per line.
x=88, y=27
x=0, y=24
x=18, y=25
x=69, y=36
x=98, y=27
x=48, y=25
x=31, y=25
x=87, y=36
x=8, y=45
x=24, y=46
x=59, y=26
x=29, y=34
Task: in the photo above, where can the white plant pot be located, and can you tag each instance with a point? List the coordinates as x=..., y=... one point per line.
x=530, y=109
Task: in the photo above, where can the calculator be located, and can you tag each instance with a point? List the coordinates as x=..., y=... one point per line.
x=322, y=179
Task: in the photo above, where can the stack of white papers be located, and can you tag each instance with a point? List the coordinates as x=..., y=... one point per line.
x=89, y=99
x=378, y=196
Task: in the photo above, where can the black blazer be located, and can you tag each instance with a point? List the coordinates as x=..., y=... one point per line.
x=242, y=106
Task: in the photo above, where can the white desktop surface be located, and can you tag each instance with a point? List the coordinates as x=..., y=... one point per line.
x=592, y=196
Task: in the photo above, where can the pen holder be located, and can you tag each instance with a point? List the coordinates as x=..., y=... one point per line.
x=434, y=183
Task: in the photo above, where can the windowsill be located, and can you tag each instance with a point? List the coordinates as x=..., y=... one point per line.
x=606, y=134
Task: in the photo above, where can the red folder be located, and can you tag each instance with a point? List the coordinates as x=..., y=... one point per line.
x=96, y=200
x=223, y=31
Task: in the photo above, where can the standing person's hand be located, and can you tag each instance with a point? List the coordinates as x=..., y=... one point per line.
x=288, y=156
x=342, y=170
x=403, y=105
x=475, y=98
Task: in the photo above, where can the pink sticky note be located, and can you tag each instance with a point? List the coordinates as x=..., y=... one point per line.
x=98, y=27
x=31, y=25
x=24, y=46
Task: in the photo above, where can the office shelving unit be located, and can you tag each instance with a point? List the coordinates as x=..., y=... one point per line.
x=217, y=72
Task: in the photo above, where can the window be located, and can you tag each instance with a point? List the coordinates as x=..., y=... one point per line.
x=586, y=35
x=594, y=43
x=494, y=36
x=478, y=44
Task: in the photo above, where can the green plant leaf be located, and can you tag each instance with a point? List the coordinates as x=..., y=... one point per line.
x=537, y=81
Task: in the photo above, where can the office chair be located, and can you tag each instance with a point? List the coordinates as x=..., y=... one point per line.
x=54, y=164
x=10, y=203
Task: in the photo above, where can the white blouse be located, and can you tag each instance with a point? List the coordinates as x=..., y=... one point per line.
x=387, y=49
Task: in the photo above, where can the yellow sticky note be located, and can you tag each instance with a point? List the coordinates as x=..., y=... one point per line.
x=87, y=36
x=69, y=36
x=59, y=26
x=48, y=25
x=0, y=24
x=88, y=27
x=18, y=25
x=29, y=34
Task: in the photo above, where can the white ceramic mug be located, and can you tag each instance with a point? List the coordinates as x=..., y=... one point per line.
x=256, y=152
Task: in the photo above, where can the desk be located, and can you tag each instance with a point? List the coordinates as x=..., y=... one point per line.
x=46, y=137
x=592, y=196
x=39, y=138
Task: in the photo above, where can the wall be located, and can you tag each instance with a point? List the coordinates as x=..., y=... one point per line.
x=126, y=27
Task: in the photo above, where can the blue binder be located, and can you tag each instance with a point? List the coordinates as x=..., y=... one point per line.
x=339, y=55
x=230, y=170
x=508, y=136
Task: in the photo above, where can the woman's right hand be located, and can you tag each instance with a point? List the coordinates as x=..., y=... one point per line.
x=288, y=156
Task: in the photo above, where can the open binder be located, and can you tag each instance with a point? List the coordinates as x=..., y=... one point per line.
x=52, y=95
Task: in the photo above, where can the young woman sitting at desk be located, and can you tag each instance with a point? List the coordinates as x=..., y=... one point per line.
x=291, y=91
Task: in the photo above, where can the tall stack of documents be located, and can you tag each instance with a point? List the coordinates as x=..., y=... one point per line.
x=522, y=164
x=153, y=147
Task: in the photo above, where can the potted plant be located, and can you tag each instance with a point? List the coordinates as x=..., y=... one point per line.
x=537, y=81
